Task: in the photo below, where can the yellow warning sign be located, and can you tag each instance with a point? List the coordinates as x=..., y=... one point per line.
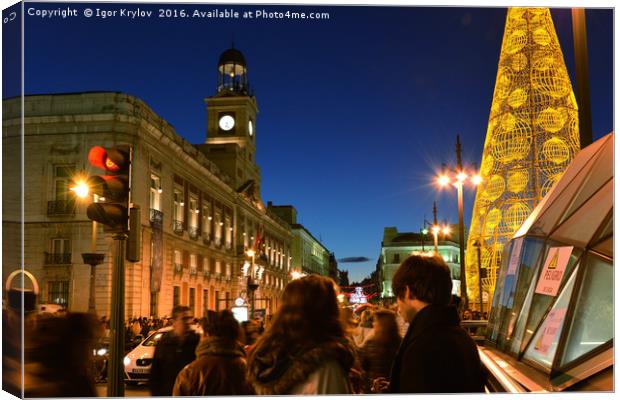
x=554, y=261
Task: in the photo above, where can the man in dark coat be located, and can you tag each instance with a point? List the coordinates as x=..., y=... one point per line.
x=220, y=367
x=174, y=351
x=436, y=355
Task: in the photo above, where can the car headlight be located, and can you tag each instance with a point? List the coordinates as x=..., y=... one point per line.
x=102, y=352
x=126, y=361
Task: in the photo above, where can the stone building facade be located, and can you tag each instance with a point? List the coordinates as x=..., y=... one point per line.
x=197, y=221
x=397, y=246
x=309, y=255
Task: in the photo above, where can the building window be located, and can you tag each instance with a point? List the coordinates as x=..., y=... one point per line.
x=176, y=296
x=218, y=267
x=58, y=293
x=228, y=269
x=155, y=193
x=193, y=266
x=206, y=269
x=192, y=300
x=228, y=232
x=396, y=259
x=178, y=210
x=64, y=199
x=62, y=179
x=218, y=227
x=206, y=220
x=178, y=261
x=193, y=217
x=60, y=252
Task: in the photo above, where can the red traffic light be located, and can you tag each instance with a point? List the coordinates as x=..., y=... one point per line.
x=112, y=160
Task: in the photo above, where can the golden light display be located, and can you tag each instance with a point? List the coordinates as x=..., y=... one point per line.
x=532, y=135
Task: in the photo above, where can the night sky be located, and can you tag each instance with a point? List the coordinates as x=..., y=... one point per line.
x=356, y=112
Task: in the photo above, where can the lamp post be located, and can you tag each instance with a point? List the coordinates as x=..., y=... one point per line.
x=476, y=245
x=460, y=177
x=251, y=285
x=82, y=190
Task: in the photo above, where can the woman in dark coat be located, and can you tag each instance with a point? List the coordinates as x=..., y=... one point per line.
x=220, y=366
x=379, y=351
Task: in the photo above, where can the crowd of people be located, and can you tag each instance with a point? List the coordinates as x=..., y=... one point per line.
x=312, y=345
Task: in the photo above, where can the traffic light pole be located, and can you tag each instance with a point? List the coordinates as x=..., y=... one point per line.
x=116, y=381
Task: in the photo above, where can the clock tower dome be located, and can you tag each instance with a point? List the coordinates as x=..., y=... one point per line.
x=231, y=124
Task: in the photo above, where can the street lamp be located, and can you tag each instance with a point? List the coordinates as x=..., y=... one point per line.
x=251, y=285
x=459, y=178
x=81, y=188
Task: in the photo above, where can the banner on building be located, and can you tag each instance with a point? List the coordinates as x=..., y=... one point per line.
x=157, y=250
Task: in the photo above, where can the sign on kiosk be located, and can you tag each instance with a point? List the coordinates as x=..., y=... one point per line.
x=553, y=271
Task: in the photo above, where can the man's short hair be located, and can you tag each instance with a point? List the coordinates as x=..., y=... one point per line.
x=178, y=310
x=428, y=279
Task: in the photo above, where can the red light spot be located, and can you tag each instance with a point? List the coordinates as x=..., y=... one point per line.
x=111, y=165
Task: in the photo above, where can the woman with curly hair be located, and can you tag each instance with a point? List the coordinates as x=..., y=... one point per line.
x=305, y=350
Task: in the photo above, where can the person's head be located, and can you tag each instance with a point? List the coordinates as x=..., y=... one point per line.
x=308, y=312
x=420, y=281
x=466, y=314
x=384, y=324
x=181, y=318
x=220, y=324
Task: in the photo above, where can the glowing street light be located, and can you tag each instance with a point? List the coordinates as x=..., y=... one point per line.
x=460, y=177
x=443, y=180
x=80, y=189
x=476, y=179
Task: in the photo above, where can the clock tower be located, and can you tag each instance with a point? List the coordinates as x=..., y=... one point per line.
x=231, y=124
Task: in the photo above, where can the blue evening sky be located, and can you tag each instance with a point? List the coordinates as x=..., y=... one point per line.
x=356, y=112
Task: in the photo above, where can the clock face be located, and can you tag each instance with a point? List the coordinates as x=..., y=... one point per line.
x=227, y=122
x=250, y=127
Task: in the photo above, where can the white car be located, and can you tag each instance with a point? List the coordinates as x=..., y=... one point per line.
x=139, y=360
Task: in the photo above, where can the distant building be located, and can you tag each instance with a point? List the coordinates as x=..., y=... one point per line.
x=308, y=254
x=333, y=268
x=397, y=246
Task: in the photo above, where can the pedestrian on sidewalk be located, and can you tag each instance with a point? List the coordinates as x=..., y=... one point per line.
x=436, y=355
x=304, y=350
x=220, y=367
x=174, y=351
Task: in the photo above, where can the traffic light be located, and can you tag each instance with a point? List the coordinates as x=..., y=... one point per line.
x=113, y=188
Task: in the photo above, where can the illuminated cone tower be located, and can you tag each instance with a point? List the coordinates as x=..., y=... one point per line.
x=531, y=138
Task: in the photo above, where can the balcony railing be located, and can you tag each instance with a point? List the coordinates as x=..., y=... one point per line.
x=193, y=232
x=206, y=238
x=206, y=273
x=193, y=271
x=177, y=226
x=57, y=258
x=178, y=267
x=61, y=207
x=156, y=216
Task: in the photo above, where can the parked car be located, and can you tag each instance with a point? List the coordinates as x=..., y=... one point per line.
x=138, y=361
